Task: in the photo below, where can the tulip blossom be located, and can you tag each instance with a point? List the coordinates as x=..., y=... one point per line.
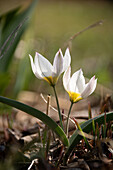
x=43, y=69
x=76, y=87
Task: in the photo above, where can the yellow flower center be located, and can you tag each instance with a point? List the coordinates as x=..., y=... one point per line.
x=51, y=80
x=74, y=97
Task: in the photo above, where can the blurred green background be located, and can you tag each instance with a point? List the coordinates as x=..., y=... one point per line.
x=51, y=24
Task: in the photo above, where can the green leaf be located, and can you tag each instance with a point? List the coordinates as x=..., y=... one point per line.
x=38, y=114
x=79, y=128
x=23, y=76
x=4, y=81
x=86, y=127
x=15, y=21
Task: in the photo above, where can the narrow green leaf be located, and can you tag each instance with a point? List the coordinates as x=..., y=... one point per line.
x=14, y=22
x=86, y=127
x=38, y=114
x=105, y=127
x=97, y=131
x=23, y=76
x=93, y=127
x=88, y=146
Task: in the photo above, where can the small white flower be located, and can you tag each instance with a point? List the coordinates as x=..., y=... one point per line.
x=76, y=87
x=43, y=69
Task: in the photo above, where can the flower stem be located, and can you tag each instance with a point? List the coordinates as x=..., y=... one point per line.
x=67, y=124
x=60, y=117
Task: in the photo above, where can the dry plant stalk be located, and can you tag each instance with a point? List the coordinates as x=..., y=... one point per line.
x=68, y=43
x=48, y=104
x=13, y=36
x=56, y=109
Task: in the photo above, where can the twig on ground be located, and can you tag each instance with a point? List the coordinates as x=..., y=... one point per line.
x=56, y=109
x=33, y=161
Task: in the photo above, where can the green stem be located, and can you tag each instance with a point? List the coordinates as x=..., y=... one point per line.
x=67, y=124
x=60, y=117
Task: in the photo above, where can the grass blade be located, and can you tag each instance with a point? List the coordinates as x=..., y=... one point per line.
x=88, y=146
x=11, y=34
x=86, y=127
x=38, y=114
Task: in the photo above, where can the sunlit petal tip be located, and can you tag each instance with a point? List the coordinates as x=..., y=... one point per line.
x=37, y=53
x=60, y=50
x=94, y=84
x=32, y=64
x=67, y=50
x=67, y=60
x=31, y=59
x=81, y=69
x=30, y=56
x=58, y=64
x=96, y=81
x=93, y=79
x=90, y=88
x=81, y=72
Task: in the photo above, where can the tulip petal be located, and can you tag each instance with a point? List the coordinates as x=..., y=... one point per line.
x=66, y=60
x=66, y=78
x=73, y=81
x=34, y=69
x=58, y=64
x=43, y=65
x=81, y=82
x=90, y=87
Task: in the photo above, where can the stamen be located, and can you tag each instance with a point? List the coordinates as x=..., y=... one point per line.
x=51, y=80
x=74, y=97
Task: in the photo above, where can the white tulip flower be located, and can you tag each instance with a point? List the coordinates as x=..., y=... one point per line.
x=76, y=87
x=43, y=69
